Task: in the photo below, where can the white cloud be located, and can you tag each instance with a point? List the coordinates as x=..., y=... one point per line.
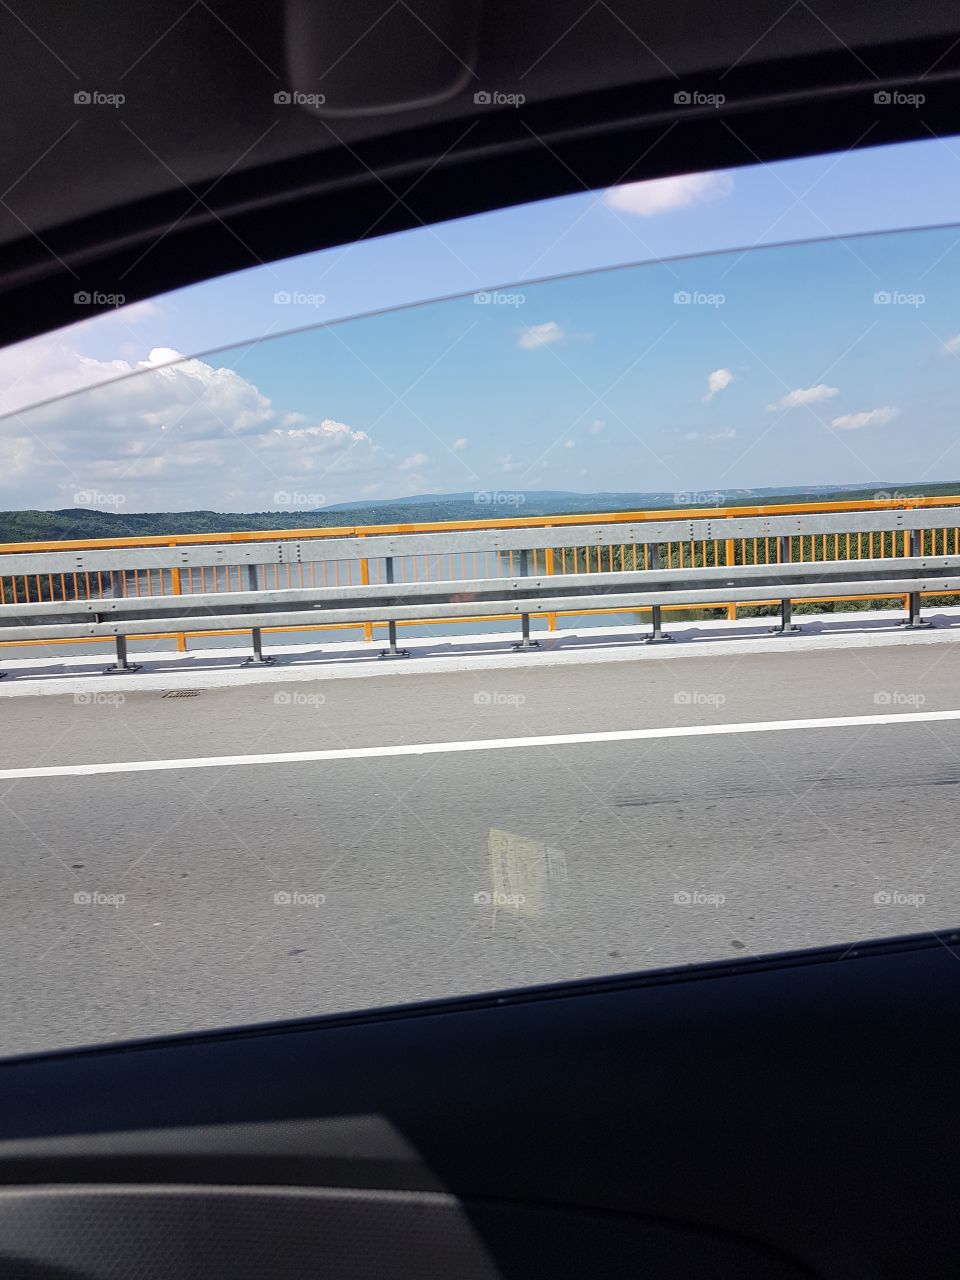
x=507, y=463
x=569, y=444
x=414, y=460
x=43, y=368
x=719, y=380
x=597, y=427
x=461, y=443
x=647, y=199
x=869, y=418
x=805, y=395
x=540, y=335
x=952, y=345
x=726, y=433
x=175, y=437
x=160, y=356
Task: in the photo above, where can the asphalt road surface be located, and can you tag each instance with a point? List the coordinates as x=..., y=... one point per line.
x=160, y=900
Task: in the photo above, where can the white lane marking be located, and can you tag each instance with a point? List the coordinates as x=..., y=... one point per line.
x=479, y=744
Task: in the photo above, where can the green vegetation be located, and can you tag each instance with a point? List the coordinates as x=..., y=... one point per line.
x=90, y=523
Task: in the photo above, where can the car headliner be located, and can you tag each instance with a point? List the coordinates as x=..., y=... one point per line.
x=204, y=167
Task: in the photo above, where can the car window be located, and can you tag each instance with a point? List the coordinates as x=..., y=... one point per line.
x=551, y=630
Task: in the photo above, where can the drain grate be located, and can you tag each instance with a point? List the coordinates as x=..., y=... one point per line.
x=182, y=693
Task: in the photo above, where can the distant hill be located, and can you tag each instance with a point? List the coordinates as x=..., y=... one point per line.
x=560, y=501
x=86, y=522
x=547, y=495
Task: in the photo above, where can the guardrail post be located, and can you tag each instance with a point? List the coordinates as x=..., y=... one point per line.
x=256, y=659
x=391, y=650
x=177, y=587
x=121, y=664
x=730, y=558
x=3, y=600
x=365, y=581
x=548, y=570
x=656, y=636
x=787, y=625
x=913, y=620
x=525, y=643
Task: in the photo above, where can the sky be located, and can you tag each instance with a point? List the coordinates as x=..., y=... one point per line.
x=833, y=362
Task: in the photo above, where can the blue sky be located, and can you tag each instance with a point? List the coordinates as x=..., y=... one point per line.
x=916, y=184
x=780, y=369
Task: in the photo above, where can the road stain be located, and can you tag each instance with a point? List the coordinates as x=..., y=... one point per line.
x=525, y=874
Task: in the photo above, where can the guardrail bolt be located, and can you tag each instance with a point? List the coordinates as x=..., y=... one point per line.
x=656, y=636
x=525, y=644
x=391, y=650
x=121, y=664
x=913, y=621
x=787, y=626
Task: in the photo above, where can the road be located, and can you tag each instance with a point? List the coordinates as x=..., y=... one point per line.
x=609, y=856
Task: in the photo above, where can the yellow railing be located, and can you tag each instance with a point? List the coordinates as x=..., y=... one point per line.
x=458, y=566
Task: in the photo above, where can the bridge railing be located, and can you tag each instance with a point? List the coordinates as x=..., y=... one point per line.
x=422, y=574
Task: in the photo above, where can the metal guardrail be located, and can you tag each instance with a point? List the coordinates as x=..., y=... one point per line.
x=305, y=550
x=94, y=600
